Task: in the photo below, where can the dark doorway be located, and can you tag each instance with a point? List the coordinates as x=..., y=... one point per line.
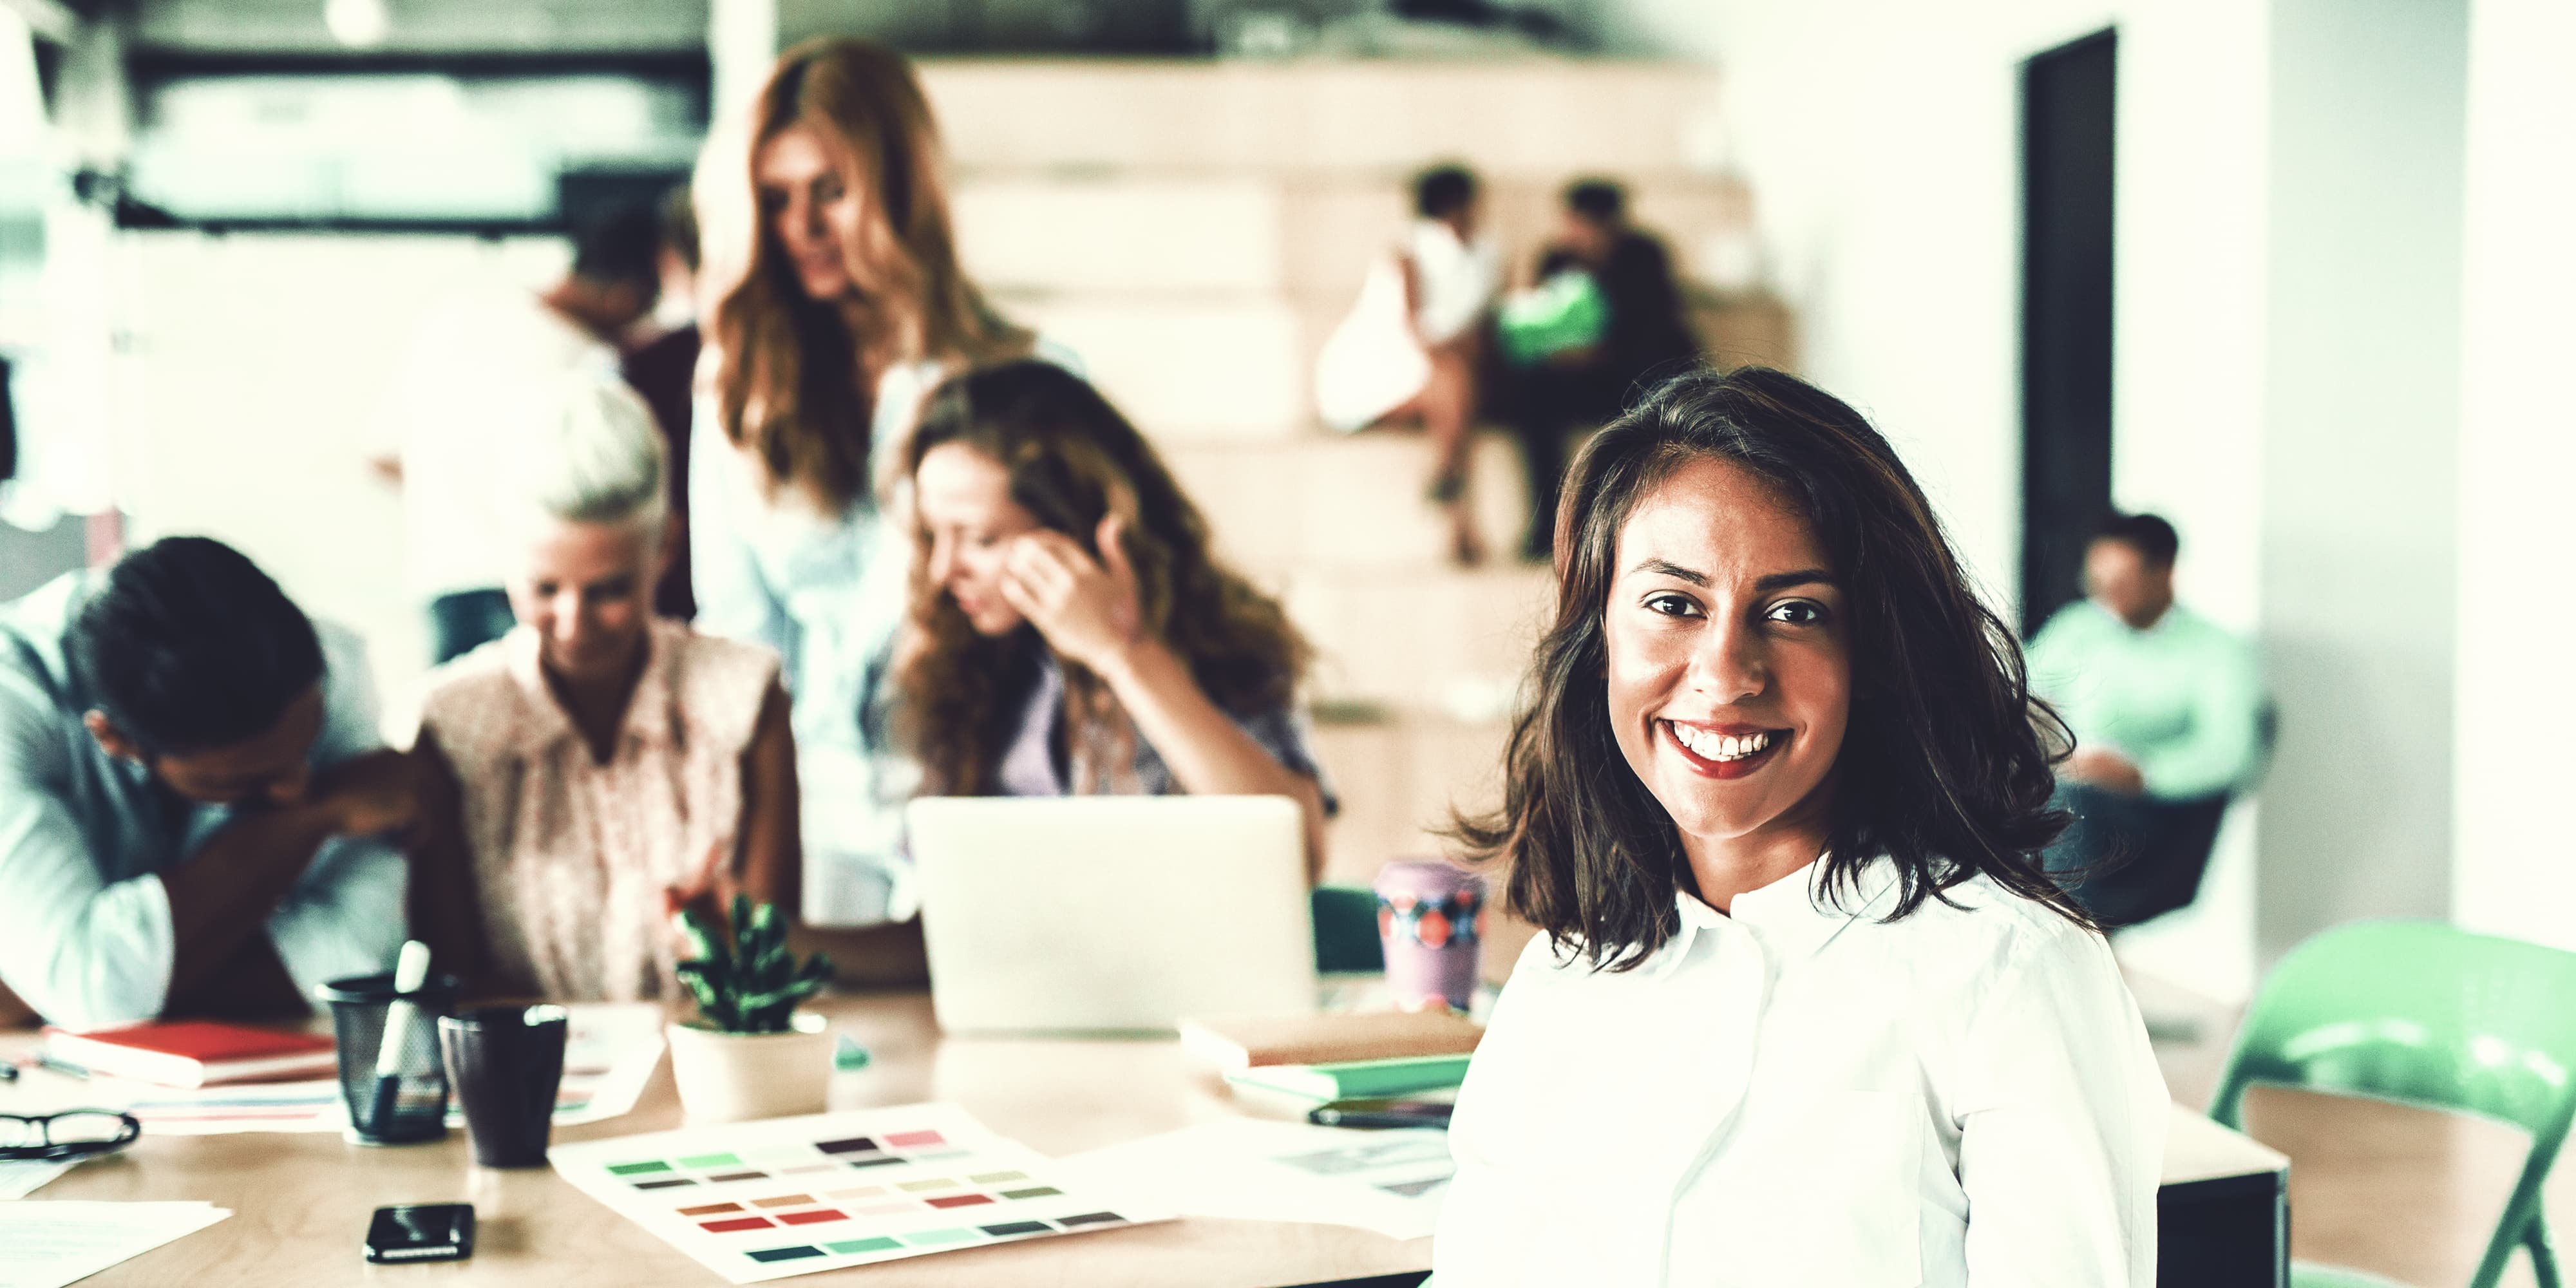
x=2066, y=129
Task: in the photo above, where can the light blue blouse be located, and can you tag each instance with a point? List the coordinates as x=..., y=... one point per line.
x=827, y=591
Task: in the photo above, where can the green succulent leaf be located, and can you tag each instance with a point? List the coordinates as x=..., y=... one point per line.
x=705, y=941
x=748, y=981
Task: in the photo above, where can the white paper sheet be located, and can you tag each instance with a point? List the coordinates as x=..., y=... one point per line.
x=790, y=1196
x=51, y=1244
x=609, y=1056
x=1264, y=1170
x=20, y=1179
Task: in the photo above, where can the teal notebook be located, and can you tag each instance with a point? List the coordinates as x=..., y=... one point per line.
x=1355, y=1079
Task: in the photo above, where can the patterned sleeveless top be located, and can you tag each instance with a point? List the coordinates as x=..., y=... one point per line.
x=571, y=856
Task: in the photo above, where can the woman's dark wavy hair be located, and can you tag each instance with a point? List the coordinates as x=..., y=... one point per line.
x=1073, y=460
x=1943, y=767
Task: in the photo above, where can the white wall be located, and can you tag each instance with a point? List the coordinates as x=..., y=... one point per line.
x=1881, y=139
x=250, y=385
x=2360, y=448
x=2517, y=697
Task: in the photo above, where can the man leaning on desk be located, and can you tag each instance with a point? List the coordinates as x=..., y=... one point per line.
x=192, y=796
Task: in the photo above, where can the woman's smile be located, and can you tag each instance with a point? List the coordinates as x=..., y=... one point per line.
x=1723, y=751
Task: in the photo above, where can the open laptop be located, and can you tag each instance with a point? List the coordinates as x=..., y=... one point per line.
x=1112, y=913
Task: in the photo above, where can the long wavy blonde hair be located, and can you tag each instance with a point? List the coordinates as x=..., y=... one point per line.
x=793, y=384
x=1073, y=460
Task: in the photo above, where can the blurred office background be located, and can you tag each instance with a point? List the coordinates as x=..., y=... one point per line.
x=2294, y=273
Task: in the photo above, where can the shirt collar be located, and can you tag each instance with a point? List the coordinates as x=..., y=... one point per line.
x=648, y=712
x=1794, y=916
x=2163, y=625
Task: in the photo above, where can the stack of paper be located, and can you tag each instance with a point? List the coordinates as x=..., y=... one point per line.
x=1259, y=1170
x=1352, y=1079
x=192, y=1053
x=1229, y=1045
x=56, y=1243
x=608, y=1057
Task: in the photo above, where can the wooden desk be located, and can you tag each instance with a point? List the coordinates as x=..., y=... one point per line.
x=301, y=1202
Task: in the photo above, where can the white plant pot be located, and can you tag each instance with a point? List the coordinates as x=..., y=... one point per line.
x=730, y=1077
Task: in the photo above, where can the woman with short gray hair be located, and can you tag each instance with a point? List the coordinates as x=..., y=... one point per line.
x=605, y=766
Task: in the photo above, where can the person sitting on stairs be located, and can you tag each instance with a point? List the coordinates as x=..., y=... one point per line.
x=1644, y=339
x=1411, y=349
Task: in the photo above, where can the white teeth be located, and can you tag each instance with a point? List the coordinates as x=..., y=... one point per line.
x=1713, y=746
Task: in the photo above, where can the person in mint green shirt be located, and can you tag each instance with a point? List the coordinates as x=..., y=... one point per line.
x=2167, y=711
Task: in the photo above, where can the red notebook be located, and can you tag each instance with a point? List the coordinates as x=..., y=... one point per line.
x=192, y=1053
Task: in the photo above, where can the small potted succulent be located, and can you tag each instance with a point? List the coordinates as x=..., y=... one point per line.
x=750, y=1053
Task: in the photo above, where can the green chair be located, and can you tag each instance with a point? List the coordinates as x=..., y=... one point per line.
x=2424, y=1014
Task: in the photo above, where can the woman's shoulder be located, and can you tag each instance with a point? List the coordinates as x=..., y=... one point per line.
x=478, y=680
x=719, y=683
x=714, y=661
x=480, y=700
x=1980, y=927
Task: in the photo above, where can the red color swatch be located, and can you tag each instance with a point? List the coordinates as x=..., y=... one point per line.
x=737, y=1223
x=809, y=1218
x=959, y=1200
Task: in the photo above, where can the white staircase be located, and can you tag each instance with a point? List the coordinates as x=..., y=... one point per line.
x=1193, y=230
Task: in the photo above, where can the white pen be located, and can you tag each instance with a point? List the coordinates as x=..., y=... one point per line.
x=410, y=972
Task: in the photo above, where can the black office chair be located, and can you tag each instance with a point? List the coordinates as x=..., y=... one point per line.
x=2164, y=875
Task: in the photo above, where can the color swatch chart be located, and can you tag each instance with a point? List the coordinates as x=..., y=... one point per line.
x=789, y=1196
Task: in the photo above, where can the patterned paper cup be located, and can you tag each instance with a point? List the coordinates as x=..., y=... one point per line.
x=1431, y=917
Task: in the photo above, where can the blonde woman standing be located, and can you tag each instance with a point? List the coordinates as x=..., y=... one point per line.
x=838, y=303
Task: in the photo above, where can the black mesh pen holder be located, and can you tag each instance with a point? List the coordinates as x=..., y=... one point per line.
x=411, y=1105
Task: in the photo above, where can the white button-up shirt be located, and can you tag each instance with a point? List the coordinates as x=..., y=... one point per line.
x=1802, y=1095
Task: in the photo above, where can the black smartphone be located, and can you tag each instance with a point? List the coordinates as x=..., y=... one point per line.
x=422, y=1232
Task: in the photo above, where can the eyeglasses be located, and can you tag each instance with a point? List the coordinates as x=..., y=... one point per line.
x=76, y=1133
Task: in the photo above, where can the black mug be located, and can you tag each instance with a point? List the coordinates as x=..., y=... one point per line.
x=506, y=1063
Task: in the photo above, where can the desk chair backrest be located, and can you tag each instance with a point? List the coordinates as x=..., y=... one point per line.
x=2165, y=874
x=2426, y=1014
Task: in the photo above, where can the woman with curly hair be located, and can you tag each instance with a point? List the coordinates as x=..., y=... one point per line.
x=1806, y=1009
x=1070, y=631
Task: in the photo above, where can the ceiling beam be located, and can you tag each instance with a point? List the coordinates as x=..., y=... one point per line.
x=51, y=19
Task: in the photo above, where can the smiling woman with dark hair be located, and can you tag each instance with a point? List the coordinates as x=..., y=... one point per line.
x=1806, y=1009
